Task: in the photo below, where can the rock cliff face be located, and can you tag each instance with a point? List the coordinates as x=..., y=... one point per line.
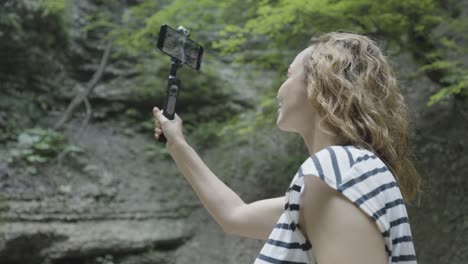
x=117, y=209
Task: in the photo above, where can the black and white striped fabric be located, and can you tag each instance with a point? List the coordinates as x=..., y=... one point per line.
x=364, y=179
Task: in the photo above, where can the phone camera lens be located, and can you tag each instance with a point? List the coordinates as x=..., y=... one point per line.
x=184, y=31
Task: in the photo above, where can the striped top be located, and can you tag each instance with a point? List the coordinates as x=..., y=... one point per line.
x=364, y=179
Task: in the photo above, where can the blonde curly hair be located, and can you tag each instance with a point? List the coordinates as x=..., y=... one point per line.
x=353, y=86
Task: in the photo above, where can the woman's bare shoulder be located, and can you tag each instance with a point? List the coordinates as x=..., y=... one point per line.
x=332, y=223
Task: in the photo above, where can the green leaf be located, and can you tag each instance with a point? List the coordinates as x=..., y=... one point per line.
x=73, y=149
x=26, y=139
x=438, y=65
x=42, y=146
x=90, y=168
x=36, y=159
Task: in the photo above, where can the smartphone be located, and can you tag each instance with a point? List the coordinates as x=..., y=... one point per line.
x=180, y=47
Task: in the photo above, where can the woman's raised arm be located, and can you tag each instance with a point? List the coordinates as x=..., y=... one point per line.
x=254, y=220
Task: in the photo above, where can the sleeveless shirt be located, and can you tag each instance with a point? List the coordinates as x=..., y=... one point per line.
x=366, y=181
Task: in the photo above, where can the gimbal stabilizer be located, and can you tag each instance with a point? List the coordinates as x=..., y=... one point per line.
x=182, y=50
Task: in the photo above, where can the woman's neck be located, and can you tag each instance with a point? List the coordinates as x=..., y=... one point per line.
x=316, y=140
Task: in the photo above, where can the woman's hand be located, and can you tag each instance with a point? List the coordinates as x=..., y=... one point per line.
x=172, y=129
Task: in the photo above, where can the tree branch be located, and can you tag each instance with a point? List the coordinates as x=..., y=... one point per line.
x=85, y=123
x=82, y=96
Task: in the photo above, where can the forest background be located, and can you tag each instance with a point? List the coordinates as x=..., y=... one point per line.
x=82, y=179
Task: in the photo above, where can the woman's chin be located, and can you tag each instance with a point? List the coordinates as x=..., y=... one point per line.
x=282, y=126
x=278, y=121
x=279, y=124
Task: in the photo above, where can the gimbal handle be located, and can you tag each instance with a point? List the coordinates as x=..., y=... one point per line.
x=173, y=87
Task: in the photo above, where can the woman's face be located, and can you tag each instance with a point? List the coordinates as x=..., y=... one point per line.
x=295, y=111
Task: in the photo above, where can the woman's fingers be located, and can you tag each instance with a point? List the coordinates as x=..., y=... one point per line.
x=158, y=115
x=157, y=124
x=155, y=110
x=157, y=132
x=172, y=128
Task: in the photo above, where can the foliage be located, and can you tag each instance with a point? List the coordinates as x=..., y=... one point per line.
x=399, y=23
x=38, y=146
x=144, y=77
x=18, y=110
x=33, y=44
x=448, y=59
x=456, y=80
x=107, y=259
x=246, y=124
x=156, y=152
x=33, y=38
x=269, y=33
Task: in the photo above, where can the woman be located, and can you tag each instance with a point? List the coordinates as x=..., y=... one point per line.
x=346, y=203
